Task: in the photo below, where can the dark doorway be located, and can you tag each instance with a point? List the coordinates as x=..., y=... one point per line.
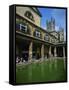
x=23, y=48
x=59, y=51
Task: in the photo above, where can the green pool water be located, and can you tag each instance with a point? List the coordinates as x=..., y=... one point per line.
x=47, y=71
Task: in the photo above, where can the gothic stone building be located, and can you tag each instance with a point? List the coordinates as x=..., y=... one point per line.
x=32, y=41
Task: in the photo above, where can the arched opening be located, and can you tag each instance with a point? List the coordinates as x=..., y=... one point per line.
x=29, y=15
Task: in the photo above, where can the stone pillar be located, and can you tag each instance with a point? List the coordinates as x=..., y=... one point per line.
x=43, y=34
x=55, y=59
x=30, y=51
x=50, y=51
x=63, y=51
x=42, y=52
x=64, y=57
x=31, y=30
x=55, y=53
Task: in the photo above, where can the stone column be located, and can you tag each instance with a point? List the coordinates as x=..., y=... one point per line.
x=55, y=53
x=55, y=59
x=50, y=51
x=64, y=57
x=31, y=30
x=30, y=51
x=63, y=51
x=42, y=52
x=43, y=35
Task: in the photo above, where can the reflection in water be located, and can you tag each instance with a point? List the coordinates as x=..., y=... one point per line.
x=53, y=69
x=55, y=65
x=50, y=64
x=42, y=70
x=64, y=59
x=30, y=73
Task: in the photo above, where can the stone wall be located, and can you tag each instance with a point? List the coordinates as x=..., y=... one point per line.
x=20, y=10
x=61, y=33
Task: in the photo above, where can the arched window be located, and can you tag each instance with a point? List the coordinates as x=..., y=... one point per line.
x=29, y=15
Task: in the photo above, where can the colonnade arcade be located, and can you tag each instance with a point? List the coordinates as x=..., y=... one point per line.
x=36, y=50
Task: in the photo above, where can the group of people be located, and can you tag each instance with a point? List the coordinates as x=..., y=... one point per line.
x=21, y=59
